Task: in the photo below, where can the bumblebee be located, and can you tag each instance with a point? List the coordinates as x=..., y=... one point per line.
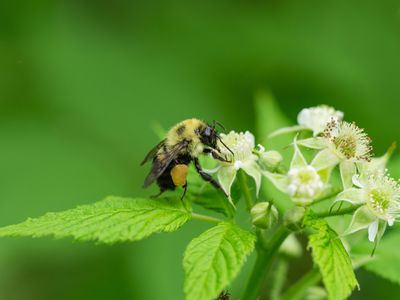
x=184, y=143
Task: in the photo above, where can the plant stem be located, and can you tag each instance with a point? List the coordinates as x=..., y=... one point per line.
x=340, y=212
x=263, y=263
x=205, y=218
x=326, y=197
x=246, y=191
x=297, y=290
x=279, y=278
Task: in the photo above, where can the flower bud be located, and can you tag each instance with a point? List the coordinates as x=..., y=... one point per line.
x=271, y=159
x=263, y=215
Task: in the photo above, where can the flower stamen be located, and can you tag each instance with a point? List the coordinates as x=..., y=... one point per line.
x=349, y=141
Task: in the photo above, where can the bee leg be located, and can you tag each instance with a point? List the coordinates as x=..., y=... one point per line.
x=184, y=191
x=216, y=155
x=206, y=176
x=157, y=195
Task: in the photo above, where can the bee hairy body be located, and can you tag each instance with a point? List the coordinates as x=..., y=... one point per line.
x=187, y=130
x=184, y=143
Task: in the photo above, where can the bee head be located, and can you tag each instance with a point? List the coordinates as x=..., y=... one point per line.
x=209, y=136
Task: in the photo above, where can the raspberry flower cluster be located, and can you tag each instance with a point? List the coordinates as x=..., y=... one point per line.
x=335, y=144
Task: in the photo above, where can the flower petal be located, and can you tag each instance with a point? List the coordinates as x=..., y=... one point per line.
x=347, y=171
x=352, y=195
x=298, y=160
x=313, y=143
x=373, y=230
x=226, y=176
x=252, y=169
x=278, y=180
x=362, y=218
x=212, y=171
x=286, y=130
x=357, y=181
x=325, y=159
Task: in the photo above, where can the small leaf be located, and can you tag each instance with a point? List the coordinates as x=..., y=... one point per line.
x=298, y=160
x=213, y=259
x=325, y=159
x=332, y=259
x=352, y=195
x=252, y=169
x=362, y=218
x=285, y=130
x=112, y=220
x=313, y=143
x=278, y=180
x=226, y=177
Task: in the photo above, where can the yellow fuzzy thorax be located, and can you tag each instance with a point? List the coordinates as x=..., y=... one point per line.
x=185, y=130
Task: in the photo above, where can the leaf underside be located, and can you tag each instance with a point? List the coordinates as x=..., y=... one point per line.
x=214, y=258
x=332, y=259
x=112, y=220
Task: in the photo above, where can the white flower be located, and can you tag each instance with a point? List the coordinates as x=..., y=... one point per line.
x=348, y=141
x=342, y=143
x=314, y=118
x=304, y=182
x=379, y=197
x=242, y=145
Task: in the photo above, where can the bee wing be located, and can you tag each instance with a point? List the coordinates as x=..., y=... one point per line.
x=152, y=153
x=159, y=165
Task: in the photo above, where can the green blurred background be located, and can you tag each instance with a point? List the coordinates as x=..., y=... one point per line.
x=83, y=82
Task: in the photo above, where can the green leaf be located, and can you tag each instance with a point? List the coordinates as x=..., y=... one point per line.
x=213, y=259
x=332, y=258
x=269, y=117
x=112, y=220
x=212, y=200
x=386, y=260
x=204, y=194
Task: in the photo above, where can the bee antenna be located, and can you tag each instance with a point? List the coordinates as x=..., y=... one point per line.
x=215, y=122
x=225, y=145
